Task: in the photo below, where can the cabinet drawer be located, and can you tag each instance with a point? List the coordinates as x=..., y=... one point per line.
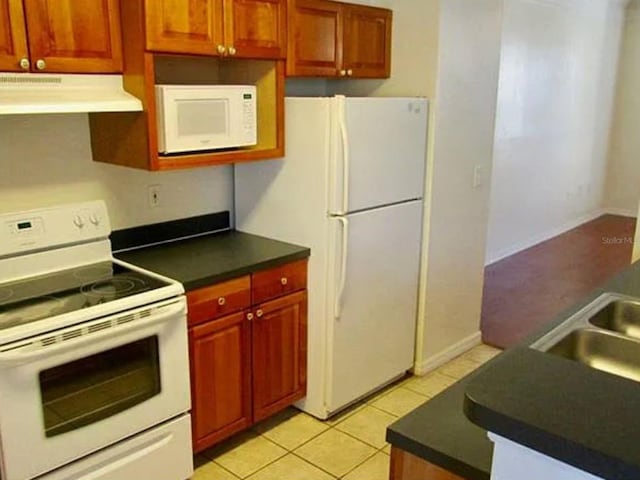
x=278, y=281
x=218, y=300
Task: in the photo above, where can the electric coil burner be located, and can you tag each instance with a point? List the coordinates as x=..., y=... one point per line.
x=94, y=369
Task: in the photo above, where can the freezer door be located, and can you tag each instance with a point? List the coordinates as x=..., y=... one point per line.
x=379, y=152
x=372, y=329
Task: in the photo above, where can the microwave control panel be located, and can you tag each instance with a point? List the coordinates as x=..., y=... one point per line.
x=249, y=120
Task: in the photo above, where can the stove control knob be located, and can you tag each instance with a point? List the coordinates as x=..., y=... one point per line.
x=94, y=219
x=78, y=221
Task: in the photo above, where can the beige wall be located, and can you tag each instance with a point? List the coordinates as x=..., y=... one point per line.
x=46, y=160
x=448, y=51
x=623, y=179
x=555, y=99
x=466, y=101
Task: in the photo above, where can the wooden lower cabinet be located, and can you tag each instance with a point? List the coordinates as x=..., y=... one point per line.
x=405, y=466
x=220, y=355
x=279, y=344
x=249, y=363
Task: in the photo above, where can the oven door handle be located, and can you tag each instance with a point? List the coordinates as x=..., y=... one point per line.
x=110, y=336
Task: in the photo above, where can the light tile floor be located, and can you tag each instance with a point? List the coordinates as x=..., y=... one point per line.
x=350, y=446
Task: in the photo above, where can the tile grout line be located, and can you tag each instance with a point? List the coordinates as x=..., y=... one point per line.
x=313, y=464
x=264, y=466
x=363, y=441
x=360, y=464
x=226, y=469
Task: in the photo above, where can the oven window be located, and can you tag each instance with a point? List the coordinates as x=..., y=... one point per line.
x=97, y=387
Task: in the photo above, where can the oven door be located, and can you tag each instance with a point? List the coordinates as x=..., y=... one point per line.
x=73, y=391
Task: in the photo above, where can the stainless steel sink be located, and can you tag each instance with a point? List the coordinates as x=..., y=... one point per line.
x=622, y=316
x=603, y=350
x=604, y=335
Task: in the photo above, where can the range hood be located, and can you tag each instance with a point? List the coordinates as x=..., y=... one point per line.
x=27, y=93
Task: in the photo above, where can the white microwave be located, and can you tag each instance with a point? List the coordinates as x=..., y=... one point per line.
x=205, y=117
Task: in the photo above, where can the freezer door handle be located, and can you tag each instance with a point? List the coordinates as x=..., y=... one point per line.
x=344, y=136
x=337, y=310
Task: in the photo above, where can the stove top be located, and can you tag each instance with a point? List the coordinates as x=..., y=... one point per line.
x=54, y=294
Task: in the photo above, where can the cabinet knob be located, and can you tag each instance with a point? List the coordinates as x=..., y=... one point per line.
x=232, y=50
x=222, y=49
x=249, y=316
x=343, y=73
x=284, y=281
x=350, y=72
x=24, y=63
x=259, y=313
x=41, y=64
x=222, y=301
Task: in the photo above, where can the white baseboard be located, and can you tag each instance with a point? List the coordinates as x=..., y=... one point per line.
x=507, y=252
x=543, y=237
x=621, y=212
x=455, y=350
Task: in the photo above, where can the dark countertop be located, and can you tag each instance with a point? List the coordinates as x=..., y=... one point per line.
x=578, y=415
x=439, y=432
x=202, y=261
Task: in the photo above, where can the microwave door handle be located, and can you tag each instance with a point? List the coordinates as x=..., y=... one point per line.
x=159, y=315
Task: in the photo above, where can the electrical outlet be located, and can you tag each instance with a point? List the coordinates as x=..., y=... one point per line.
x=154, y=196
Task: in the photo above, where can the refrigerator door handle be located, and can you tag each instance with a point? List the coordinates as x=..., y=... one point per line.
x=337, y=310
x=344, y=136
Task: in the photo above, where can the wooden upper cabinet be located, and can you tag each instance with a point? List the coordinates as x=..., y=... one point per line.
x=184, y=26
x=315, y=38
x=13, y=39
x=256, y=28
x=367, y=42
x=230, y=28
x=68, y=36
x=334, y=39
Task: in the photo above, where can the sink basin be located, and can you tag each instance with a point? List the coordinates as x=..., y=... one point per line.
x=604, y=335
x=622, y=316
x=601, y=350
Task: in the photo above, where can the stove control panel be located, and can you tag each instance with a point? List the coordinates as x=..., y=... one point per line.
x=54, y=227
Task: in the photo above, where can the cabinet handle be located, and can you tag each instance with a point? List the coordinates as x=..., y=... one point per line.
x=284, y=281
x=222, y=49
x=350, y=72
x=232, y=50
x=343, y=73
x=249, y=316
x=24, y=63
x=259, y=313
x=41, y=64
x=222, y=301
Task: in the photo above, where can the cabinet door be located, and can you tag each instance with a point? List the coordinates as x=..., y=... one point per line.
x=220, y=355
x=256, y=28
x=13, y=40
x=279, y=336
x=184, y=26
x=367, y=42
x=67, y=36
x=315, y=38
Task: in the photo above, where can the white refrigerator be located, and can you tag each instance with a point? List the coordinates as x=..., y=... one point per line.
x=350, y=187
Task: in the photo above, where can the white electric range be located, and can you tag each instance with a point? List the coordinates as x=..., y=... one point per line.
x=94, y=368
